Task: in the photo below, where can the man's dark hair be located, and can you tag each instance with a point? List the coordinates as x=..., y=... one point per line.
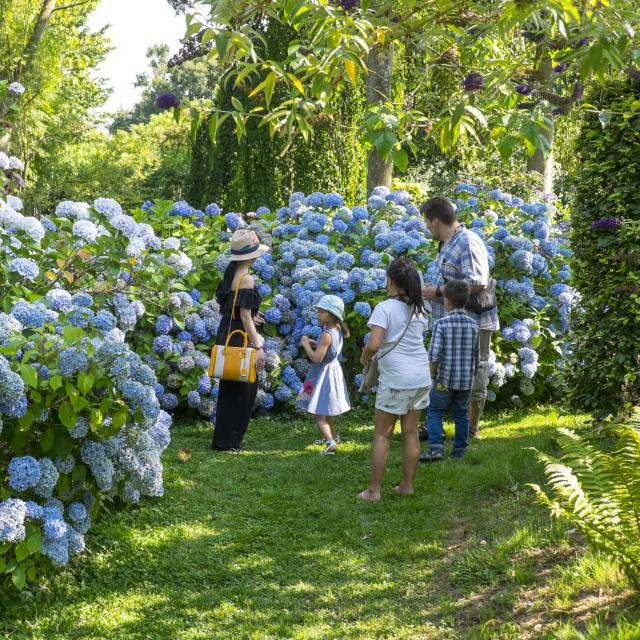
x=457, y=293
x=441, y=208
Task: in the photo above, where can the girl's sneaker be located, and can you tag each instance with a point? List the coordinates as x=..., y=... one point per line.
x=323, y=441
x=330, y=449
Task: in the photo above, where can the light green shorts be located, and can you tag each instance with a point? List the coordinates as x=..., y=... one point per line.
x=399, y=402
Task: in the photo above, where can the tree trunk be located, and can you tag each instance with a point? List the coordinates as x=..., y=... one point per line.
x=47, y=9
x=378, y=85
x=537, y=162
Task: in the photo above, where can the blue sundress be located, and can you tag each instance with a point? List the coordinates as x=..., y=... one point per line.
x=329, y=395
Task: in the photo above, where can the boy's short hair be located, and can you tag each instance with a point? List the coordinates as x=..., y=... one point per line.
x=457, y=292
x=441, y=208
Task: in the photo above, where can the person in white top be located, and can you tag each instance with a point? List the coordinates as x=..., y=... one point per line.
x=398, y=326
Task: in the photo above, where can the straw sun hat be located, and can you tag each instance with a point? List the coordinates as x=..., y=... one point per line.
x=245, y=245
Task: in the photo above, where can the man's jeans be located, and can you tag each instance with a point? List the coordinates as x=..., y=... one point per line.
x=439, y=401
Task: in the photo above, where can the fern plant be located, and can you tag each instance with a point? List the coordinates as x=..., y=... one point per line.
x=599, y=492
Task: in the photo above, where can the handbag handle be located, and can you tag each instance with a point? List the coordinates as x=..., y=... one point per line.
x=244, y=336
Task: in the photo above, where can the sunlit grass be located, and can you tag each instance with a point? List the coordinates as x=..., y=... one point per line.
x=273, y=544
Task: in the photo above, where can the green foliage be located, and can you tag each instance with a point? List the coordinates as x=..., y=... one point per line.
x=151, y=161
x=599, y=492
x=242, y=174
x=603, y=370
x=337, y=44
x=61, y=89
x=192, y=80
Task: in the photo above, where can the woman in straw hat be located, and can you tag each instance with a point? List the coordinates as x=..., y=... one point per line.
x=236, y=399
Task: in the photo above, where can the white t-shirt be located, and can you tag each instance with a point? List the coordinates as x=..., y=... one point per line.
x=407, y=366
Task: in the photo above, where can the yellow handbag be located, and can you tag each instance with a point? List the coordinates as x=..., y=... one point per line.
x=237, y=364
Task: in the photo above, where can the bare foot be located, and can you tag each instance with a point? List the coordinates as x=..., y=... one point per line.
x=369, y=496
x=404, y=491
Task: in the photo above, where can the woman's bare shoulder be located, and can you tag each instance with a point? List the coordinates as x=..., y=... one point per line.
x=247, y=282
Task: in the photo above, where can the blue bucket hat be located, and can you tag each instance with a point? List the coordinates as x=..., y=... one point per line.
x=332, y=304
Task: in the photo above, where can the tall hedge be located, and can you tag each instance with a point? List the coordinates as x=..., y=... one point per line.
x=604, y=369
x=242, y=175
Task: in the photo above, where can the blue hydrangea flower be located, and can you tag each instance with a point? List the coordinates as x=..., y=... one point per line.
x=12, y=515
x=24, y=473
x=363, y=309
x=48, y=479
x=72, y=361
x=333, y=200
x=213, y=209
x=25, y=267
x=376, y=202
x=94, y=455
x=233, y=221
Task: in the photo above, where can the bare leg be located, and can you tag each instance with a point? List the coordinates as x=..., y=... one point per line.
x=332, y=426
x=322, y=422
x=474, y=418
x=385, y=422
x=410, y=450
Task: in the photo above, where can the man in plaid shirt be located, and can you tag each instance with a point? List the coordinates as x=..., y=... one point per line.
x=454, y=357
x=461, y=256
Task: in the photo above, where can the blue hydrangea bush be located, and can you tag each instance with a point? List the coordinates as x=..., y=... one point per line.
x=321, y=246
x=80, y=421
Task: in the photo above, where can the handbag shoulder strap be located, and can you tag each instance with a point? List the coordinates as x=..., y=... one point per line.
x=399, y=340
x=233, y=306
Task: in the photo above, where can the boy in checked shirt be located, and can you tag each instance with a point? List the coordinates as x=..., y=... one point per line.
x=454, y=357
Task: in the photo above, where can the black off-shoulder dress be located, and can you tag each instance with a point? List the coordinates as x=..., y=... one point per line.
x=235, y=399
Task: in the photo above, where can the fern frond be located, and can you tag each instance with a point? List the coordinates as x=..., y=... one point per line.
x=599, y=492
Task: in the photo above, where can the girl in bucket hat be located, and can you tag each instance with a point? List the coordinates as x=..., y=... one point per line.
x=324, y=393
x=236, y=399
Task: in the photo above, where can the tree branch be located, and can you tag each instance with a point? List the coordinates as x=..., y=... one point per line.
x=71, y=6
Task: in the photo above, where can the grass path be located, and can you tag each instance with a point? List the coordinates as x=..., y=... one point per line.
x=272, y=544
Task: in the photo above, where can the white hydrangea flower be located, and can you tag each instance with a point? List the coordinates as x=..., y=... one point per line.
x=15, y=203
x=8, y=217
x=4, y=161
x=69, y=209
x=108, y=207
x=17, y=88
x=171, y=243
x=85, y=229
x=135, y=247
x=15, y=163
x=32, y=227
x=181, y=262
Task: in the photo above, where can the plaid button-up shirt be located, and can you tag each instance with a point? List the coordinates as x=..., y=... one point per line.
x=454, y=346
x=464, y=257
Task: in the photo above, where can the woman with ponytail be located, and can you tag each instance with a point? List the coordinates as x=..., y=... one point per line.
x=398, y=326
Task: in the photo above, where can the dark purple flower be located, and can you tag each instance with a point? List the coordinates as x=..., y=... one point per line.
x=578, y=90
x=348, y=5
x=560, y=67
x=524, y=89
x=526, y=105
x=473, y=82
x=582, y=42
x=607, y=224
x=167, y=101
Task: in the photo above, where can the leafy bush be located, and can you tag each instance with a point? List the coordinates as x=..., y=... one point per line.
x=603, y=369
x=599, y=492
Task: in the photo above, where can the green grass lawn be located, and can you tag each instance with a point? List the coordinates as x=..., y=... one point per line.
x=272, y=543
